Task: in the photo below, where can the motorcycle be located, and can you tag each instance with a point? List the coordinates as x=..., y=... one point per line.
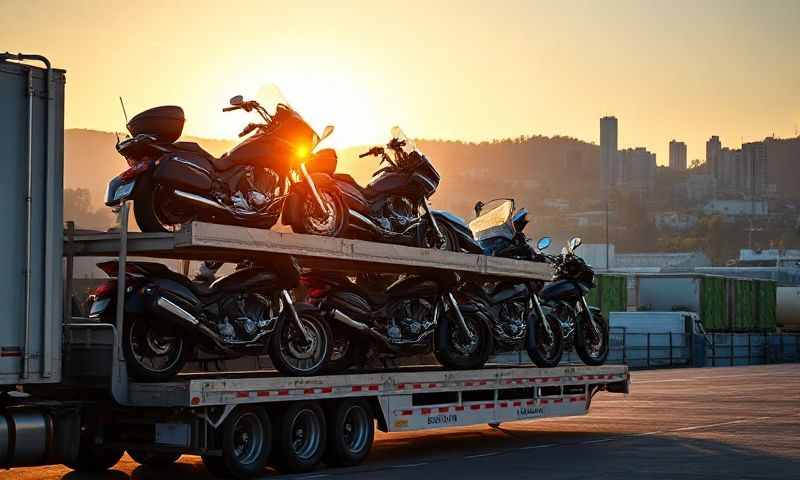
x=394, y=208
x=172, y=183
x=416, y=314
x=513, y=306
x=584, y=326
x=169, y=319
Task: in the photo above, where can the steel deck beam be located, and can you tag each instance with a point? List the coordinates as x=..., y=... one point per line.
x=201, y=241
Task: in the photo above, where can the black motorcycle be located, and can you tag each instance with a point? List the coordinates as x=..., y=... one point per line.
x=583, y=325
x=416, y=314
x=170, y=319
x=394, y=208
x=518, y=319
x=173, y=182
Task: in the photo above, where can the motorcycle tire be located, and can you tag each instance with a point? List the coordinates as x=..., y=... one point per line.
x=139, y=339
x=538, y=351
x=148, y=205
x=304, y=220
x=460, y=357
x=427, y=237
x=287, y=350
x=346, y=353
x=585, y=343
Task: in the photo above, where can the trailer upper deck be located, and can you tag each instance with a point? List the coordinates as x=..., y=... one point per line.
x=200, y=241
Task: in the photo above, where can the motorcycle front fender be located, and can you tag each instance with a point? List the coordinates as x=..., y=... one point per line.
x=465, y=239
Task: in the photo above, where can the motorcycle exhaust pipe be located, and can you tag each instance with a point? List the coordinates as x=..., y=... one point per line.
x=199, y=199
x=362, y=327
x=189, y=321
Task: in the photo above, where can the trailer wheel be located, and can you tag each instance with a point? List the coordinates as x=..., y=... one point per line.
x=94, y=458
x=246, y=444
x=300, y=438
x=351, y=430
x=154, y=459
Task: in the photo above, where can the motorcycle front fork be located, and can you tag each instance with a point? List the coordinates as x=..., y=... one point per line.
x=290, y=305
x=589, y=317
x=314, y=191
x=436, y=228
x=450, y=300
x=540, y=311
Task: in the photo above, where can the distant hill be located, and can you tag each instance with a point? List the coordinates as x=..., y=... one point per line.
x=527, y=168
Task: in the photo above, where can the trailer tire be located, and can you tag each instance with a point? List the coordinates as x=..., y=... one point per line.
x=215, y=466
x=300, y=437
x=154, y=459
x=246, y=444
x=351, y=430
x=94, y=458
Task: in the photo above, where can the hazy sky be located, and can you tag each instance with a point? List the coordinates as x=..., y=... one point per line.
x=456, y=70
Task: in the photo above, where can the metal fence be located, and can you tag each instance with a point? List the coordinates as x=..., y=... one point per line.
x=654, y=350
x=665, y=350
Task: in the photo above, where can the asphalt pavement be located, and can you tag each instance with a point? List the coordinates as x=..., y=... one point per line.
x=716, y=423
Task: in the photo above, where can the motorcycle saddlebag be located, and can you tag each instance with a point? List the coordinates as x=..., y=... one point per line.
x=164, y=123
x=189, y=173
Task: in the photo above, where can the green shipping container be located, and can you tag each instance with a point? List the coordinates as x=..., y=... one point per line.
x=735, y=304
x=611, y=294
x=714, y=304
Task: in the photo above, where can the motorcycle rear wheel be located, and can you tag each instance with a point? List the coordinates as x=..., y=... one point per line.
x=152, y=353
x=591, y=348
x=150, y=207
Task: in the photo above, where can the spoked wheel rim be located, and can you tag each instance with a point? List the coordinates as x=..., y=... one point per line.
x=595, y=334
x=461, y=343
x=153, y=348
x=547, y=343
x=356, y=429
x=248, y=438
x=313, y=222
x=430, y=239
x=306, y=434
x=301, y=354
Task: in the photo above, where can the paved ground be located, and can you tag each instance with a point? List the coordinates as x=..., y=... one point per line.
x=725, y=423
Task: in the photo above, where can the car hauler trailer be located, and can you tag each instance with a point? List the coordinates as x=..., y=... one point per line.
x=64, y=392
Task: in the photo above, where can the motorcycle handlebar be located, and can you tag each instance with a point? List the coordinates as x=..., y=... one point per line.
x=230, y=109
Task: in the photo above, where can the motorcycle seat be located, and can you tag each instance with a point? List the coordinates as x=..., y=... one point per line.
x=366, y=191
x=221, y=164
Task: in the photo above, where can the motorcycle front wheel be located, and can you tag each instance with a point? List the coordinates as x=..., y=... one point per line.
x=591, y=344
x=294, y=354
x=332, y=223
x=154, y=352
x=428, y=238
x=545, y=349
x=454, y=349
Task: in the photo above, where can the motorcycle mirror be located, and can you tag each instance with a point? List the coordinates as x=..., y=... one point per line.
x=478, y=207
x=574, y=243
x=326, y=133
x=543, y=243
x=237, y=101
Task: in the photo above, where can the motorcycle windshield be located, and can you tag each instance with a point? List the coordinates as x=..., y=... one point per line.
x=494, y=223
x=290, y=124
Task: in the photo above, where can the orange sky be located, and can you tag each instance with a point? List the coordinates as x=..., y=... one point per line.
x=457, y=70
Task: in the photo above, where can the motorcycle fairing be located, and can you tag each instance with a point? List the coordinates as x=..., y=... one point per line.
x=563, y=290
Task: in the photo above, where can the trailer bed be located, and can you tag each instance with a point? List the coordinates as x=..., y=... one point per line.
x=200, y=241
